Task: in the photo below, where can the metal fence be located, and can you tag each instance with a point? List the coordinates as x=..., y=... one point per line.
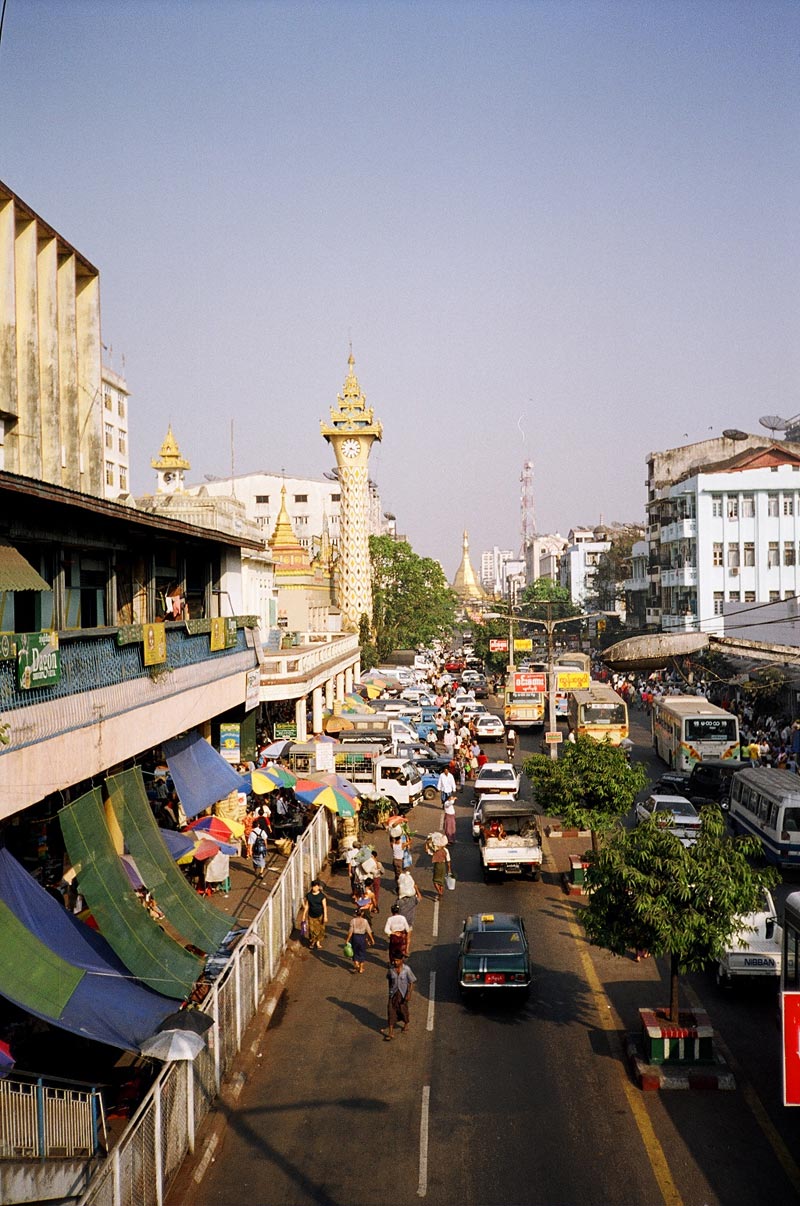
x=141, y=1167
x=41, y=1121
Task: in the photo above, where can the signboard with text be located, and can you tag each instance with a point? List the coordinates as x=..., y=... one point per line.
x=572, y=680
x=154, y=643
x=38, y=659
x=498, y=645
x=790, y=1025
x=217, y=638
x=230, y=741
x=529, y=683
x=523, y=644
x=285, y=732
x=252, y=693
x=553, y=738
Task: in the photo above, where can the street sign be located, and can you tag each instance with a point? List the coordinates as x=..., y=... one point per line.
x=529, y=683
x=572, y=680
x=553, y=738
x=498, y=645
x=790, y=1015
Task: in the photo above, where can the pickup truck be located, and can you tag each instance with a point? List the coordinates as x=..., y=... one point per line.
x=372, y=769
x=516, y=846
x=756, y=948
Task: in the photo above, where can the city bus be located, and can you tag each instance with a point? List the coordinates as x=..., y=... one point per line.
x=598, y=712
x=524, y=700
x=569, y=663
x=687, y=729
x=765, y=803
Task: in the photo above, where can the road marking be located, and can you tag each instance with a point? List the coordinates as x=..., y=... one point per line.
x=436, y=920
x=755, y=1104
x=612, y=1025
x=431, y=1001
x=422, y=1188
x=208, y=1155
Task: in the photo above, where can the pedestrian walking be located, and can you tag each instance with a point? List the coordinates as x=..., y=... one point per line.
x=399, y=932
x=408, y=896
x=441, y=868
x=257, y=843
x=315, y=914
x=401, y=985
x=399, y=846
x=360, y=937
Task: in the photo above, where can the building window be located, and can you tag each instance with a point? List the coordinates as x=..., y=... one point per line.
x=734, y=597
x=733, y=556
x=719, y=599
x=749, y=596
x=109, y=436
x=716, y=505
x=774, y=596
x=772, y=506
x=336, y=498
x=789, y=594
x=773, y=555
x=123, y=478
x=262, y=500
x=789, y=553
x=718, y=552
x=123, y=443
x=733, y=506
x=301, y=498
x=109, y=473
x=121, y=407
x=107, y=400
x=788, y=504
x=748, y=506
x=749, y=553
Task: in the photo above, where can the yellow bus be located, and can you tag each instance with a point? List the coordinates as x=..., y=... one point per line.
x=567, y=664
x=523, y=703
x=598, y=712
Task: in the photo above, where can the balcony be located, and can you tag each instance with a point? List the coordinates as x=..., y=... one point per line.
x=679, y=623
x=318, y=656
x=679, y=529
x=685, y=575
x=653, y=615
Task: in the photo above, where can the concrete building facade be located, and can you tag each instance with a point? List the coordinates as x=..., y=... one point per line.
x=116, y=453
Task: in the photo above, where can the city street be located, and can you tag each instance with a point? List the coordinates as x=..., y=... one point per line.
x=491, y=1103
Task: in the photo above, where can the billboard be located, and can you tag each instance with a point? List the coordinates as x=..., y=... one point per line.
x=498, y=645
x=529, y=682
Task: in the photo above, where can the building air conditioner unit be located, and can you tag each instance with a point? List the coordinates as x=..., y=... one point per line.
x=734, y=571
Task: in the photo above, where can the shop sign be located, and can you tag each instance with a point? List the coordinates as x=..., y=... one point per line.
x=572, y=680
x=252, y=691
x=323, y=756
x=529, y=683
x=229, y=741
x=285, y=732
x=8, y=647
x=154, y=643
x=230, y=632
x=523, y=644
x=38, y=659
x=498, y=645
x=217, y=634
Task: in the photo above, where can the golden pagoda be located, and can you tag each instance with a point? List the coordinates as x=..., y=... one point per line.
x=287, y=551
x=465, y=584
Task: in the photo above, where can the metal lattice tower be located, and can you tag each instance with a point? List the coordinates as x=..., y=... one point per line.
x=526, y=506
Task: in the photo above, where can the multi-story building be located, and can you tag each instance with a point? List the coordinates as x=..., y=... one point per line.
x=492, y=571
x=723, y=528
x=541, y=556
x=637, y=587
x=580, y=561
x=116, y=454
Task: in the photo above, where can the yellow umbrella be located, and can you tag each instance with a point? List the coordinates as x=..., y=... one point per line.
x=372, y=691
x=261, y=784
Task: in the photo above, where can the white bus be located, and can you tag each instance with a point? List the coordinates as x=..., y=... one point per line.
x=687, y=729
x=765, y=803
x=598, y=712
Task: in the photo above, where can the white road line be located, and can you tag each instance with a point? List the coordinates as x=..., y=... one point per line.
x=208, y=1156
x=436, y=920
x=431, y=1001
x=422, y=1188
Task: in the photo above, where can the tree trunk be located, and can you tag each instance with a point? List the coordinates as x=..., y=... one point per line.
x=674, y=1013
x=595, y=842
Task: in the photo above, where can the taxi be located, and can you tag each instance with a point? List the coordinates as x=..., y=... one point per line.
x=493, y=956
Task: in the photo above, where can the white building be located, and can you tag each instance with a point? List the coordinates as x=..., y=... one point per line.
x=579, y=561
x=116, y=455
x=541, y=556
x=728, y=532
x=637, y=586
x=492, y=573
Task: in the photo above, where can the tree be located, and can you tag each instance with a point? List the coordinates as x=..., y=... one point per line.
x=614, y=567
x=545, y=599
x=369, y=652
x=590, y=786
x=484, y=631
x=647, y=891
x=412, y=603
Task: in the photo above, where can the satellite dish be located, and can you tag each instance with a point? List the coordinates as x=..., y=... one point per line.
x=774, y=422
x=733, y=433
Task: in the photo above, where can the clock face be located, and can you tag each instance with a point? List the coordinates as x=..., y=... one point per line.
x=351, y=448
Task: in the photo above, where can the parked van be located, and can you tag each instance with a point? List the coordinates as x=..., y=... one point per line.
x=765, y=803
x=371, y=767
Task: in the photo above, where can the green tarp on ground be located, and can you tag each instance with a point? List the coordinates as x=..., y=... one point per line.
x=33, y=976
x=153, y=957
x=196, y=919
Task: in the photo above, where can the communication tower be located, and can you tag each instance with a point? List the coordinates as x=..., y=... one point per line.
x=526, y=506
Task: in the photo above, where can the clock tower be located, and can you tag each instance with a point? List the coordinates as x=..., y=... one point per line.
x=170, y=467
x=351, y=433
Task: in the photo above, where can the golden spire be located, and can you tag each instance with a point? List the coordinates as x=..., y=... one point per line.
x=170, y=454
x=465, y=584
x=286, y=548
x=352, y=412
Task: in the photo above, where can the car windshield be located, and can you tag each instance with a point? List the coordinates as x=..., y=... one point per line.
x=496, y=774
x=493, y=942
x=681, y=807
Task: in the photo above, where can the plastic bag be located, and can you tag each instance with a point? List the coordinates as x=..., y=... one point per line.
x=347, y=950
x=450, y=881
x=407, y=860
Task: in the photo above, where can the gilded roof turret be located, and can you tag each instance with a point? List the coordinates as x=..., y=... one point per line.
x=169, y=456
x=352, y=412
x=465, y=584
x=286, y=548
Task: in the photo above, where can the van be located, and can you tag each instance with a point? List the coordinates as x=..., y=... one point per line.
x=765, y=803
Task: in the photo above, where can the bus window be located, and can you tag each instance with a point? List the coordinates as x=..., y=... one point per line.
x=791, y=979
x=791, y=820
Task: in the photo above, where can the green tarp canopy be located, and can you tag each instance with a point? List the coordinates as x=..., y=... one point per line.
x=150, y=954
x=196, y=919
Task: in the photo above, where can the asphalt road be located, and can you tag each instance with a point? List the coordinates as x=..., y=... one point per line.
x=493, y=1104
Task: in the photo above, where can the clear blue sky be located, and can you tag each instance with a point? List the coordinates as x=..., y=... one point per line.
x=558, y=231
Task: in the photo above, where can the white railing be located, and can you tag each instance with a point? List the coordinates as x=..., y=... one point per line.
x=145, y=1161
x=44, y=1121
x=300, y=660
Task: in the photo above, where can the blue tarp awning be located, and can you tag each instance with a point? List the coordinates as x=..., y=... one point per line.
x=201, y=775
x=59, y=969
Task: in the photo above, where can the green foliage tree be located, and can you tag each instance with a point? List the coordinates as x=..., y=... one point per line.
x=483, y=632
x=590, y=785
x=614, y=566
x=369, y=651
x=647, y=891
x=545, y=599
x=412, y=603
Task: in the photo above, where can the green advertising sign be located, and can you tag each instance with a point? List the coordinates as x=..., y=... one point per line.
x=8, y=647
x=230, y=632
x=284, y=732
x=38, y=659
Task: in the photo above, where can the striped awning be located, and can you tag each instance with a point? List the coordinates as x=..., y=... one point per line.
x=16, y=573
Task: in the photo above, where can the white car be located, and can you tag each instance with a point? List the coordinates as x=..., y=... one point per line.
x=497, y=777
x=489, y=727
x=684, y=819
x=416, y=695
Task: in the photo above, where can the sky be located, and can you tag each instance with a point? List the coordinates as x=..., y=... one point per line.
x=552, y=231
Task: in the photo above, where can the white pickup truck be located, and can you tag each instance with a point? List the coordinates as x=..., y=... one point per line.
x=508, y=833
x=756, y=948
